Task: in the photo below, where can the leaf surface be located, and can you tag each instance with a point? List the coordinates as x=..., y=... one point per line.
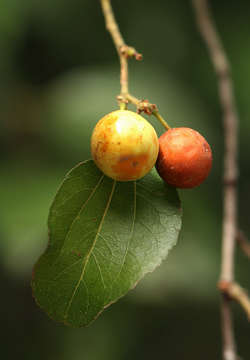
x=104, y=236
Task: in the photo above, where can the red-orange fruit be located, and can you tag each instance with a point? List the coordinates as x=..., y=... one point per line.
x=184, y=159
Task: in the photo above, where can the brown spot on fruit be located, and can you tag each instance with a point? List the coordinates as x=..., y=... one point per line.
x=105, y=146
x=129, y=167
x=124, y=158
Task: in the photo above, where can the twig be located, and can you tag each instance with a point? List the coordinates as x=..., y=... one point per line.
x=125, y=52
x=243, y=243
x=235, y=292
x=229, y=346
x=239, y=294
x=230, y=120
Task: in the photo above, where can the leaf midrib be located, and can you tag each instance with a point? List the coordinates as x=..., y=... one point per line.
x=79, y=212
x=86, y=259
x=130, y=237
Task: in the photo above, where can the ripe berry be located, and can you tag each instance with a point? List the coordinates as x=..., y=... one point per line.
x=185, y=158
x=124, y=145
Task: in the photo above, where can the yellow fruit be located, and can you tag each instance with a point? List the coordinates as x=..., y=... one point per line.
x=124, y=145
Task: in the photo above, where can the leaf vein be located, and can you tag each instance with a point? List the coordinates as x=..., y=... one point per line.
x=130, y=238
x=69, y=198
x=107, y=244
x=65, y=269
x=86, y=259
x=79, y=212
x=99, y=269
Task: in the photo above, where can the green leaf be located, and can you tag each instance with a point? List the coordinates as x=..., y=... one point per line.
x=104, y=237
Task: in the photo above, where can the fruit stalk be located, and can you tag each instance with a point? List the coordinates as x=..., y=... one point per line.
x=125, y=52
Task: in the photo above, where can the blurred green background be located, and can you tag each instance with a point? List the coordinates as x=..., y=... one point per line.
x=59, y=75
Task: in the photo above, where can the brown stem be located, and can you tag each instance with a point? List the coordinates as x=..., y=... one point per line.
x=111, y=25
x=119, y=43
x=236, y=292
x=233, y=291
x=124, y=76
x=229, y=347
x=230, y=121
x=125, y=52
